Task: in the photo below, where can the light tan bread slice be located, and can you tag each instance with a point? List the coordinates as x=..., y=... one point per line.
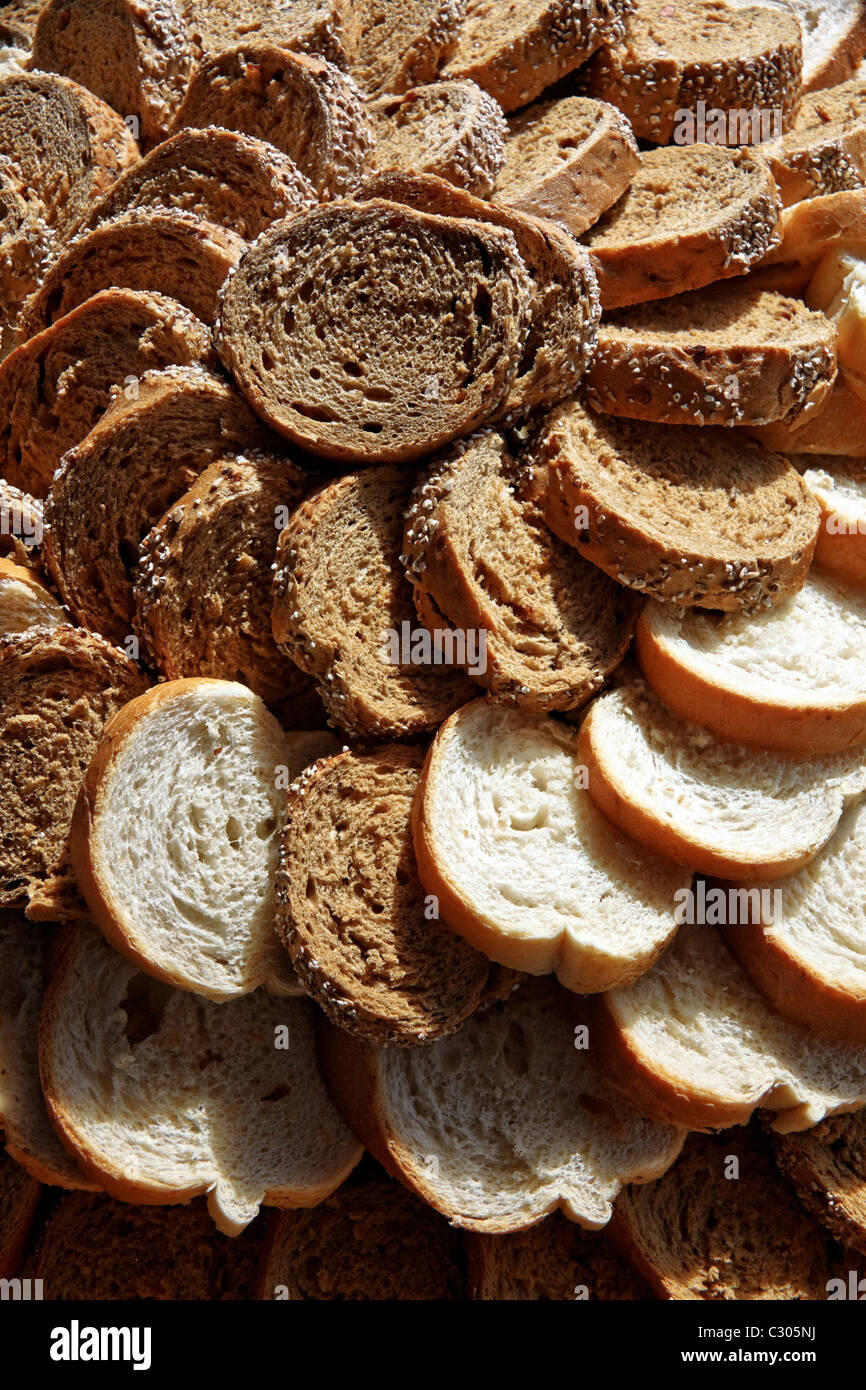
x=452, y=129
x=339, y=599
x=838, y=289
x=724, y=355
x=836, y=427
x=840, y=487
x=824, y=159
x=809, y=230
x=327, y=351
x=404, y=43
x=22, y=526
x=326, y=28
x=844, y=101
x=567, y=160
x=481, y=560
x=554, y=1261
x=524, y=865
x=674, y=56
x=827, y=1166
x=163, y=1096
x=502, y=1124
x=834, y=38
x=721, y=808
x=791, y=679
x=25, y=601
x=691, y=518
x=19, y=1201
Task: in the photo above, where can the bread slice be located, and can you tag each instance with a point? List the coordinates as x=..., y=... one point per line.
x=55, y=387
x=163, y=1096
x=25, y=601
x=502, y=1124
x=567, y=160
x=339, y=593
x=21, y=526
x=452, y=129
x=834, y=38
x=692, y=215
x=810, y=229
x=845, y=101
x=827, y=1167
x=352, y=913
x=839, y=484
x=721, y=808
x=376, y=390
x=693, y=1043
x=125, y=474
x=554, y=1261
x=838, y=289
x=19, y=1202
x=522, y=863
x=516, y=54
x=327, y=28
x=555, y=625
x=823, y=159
x=21, y=15
x=837, y=427
x=790, y=679
x=671, y=58
x=58, y=687
x=307, y=108
x=702, y=520
x=403, y=43
x=27, y=245
x=728, y=354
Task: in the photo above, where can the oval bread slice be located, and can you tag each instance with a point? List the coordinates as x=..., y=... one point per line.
x=839, y=484
x=403, y=44
x=451, y=129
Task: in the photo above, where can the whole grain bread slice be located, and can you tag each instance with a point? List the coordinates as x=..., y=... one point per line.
x=836, y=427
x=19, y=1201
x=845, y=101
x=403, y=43
x=834, y=38
x=327, y=28
x=822, y=159
x=555, y=1261
x=452, y=129
x=827, y=1167
x=839, y=484
x=25, y=601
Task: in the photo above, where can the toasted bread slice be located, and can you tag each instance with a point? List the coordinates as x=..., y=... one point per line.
x=22, y=526
x=834, y=38
x=19, y=1201
x=839, y=484
x=326, y=28
x=554, y=1261
x=694, y=519
x=403, y=43
x=25, y=601
x=452, y=129
x=820, y=160
x=827, y=1166
x=790, y=679
x=809, y=230
x=836, y=427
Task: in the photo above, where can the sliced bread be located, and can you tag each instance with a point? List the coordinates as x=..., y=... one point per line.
x=820, y=160
x=827, y=1166
x=834, y=38
x=838, y=289
x=836, y=427
x=846, y=101
x=810, y=229
x=403, y=43
x=21, y=526
x=555, y=1261
x=452, y=129
x=839, y=484
x=25, y=601
x=19, y=1202
x=328, y=28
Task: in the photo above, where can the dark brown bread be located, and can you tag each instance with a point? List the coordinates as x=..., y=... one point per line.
x=328, y=28
x=827, y=1166
x=452, y=129
x=19, y=1200
x=403, y=43
x=21, y=526
x=555, y=1261
x=19, y=19
x=27, y=244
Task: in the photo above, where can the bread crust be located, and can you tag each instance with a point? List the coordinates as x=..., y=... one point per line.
x=454, y=130
x=825, y=1167
x=808, y=229
x=837, y=426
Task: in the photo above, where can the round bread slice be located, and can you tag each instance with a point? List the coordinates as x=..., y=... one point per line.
x=555, y=1261
x=820, y=160
x=813, y=228
x=525, y=866
x=791, y=679
x=164, y=1096
x=728, y=354
x=839, y=484
x=21, y=526
x=837, y=427
x=404, y=43
x=55, y=387
x=827, y=1166
x=20, y=1196
x=364, y=940
x=341, y=606
x=319, y=327
x=452, y=129
x=25, y=601
x=58, y=687
x=483, y=563
x=306, y=107
x=694, y=519
x=692, y=215
x=328, y=28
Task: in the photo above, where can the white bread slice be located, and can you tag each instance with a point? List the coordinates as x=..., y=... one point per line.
x=503, y=1123
x=693, y=1043
x=834, y=37
x=838, y=288
x=176, y=832
x=792, y=678
x=524, y=865
x=808, y=230
x=721, y=808
x=839, y=484
x=25, y=601
x=162, y=1096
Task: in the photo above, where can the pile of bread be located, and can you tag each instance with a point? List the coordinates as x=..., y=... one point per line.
x=433, y=649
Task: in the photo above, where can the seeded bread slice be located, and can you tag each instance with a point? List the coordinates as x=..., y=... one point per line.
x=827, y=1166
x=695, y=519
x=21, y=526
x=327, y=28
x=836, y=427
x=452, y=129
x=25, y=601
x=554, y=1261
x=692, y=214
x=839, y=484
x=403, y=43
x=339, y=593
x=312, y=317
x=820, y=160
x=27, y=244
x=834, y=38
x=567, y=160
x=19, y=1201
x=845, y=101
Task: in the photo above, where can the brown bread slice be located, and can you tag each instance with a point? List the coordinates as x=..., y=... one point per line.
x=675, y=56
x=25, y=601
x=692, y=215
x=514, y=54
x=20, y=18
x=329, y=354
x=844, y=102
x=403, y=43
x=328, y=28
x=554, y=1261
x=351, y=910
x=307, y=108
x=827, y=1166
x=820, y=160
x=55, y=387
x=19, y=1200
x=21, y=526
x=58, y=687
x=481, y=559
x=452, y=129
x=203, y=585
x=837, y=427
x=702, y=520
x=27, y=244
x=172, y=253
x=728, y=354
x=567, y=160
x=339, y=591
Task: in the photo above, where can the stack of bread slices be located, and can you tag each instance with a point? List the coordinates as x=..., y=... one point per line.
x=433, y=648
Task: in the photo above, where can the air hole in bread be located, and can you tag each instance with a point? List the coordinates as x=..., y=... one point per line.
x=371, y=428
x=278, y=1093
x=267, y=361
x=314, y=412
x=234, y=832
x=353, y=369
x=266, y=828
x=144, y=1005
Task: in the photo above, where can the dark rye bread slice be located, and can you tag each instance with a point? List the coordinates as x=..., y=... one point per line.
x=58, y=687
x=727, y=354
x=136, y=57
x=555, y=1261
x=403, y=43
x=693, y=214
x=515, y=51
x=366, y=942
x=339, y=592
x=564, y=303
x=319, y=326
x=171, y=252
x=19, y=1201
x=307, y=108
x=220, y=176
x=702, y=520
x=827, y=1166
x=481, y=559
x=567, y=160
x=452, y=129
x=203, y=584
x=125, y=474
x=674, y=56
x=328, y=28
x=21, y=526
x=819, y=160
x=55, y=386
